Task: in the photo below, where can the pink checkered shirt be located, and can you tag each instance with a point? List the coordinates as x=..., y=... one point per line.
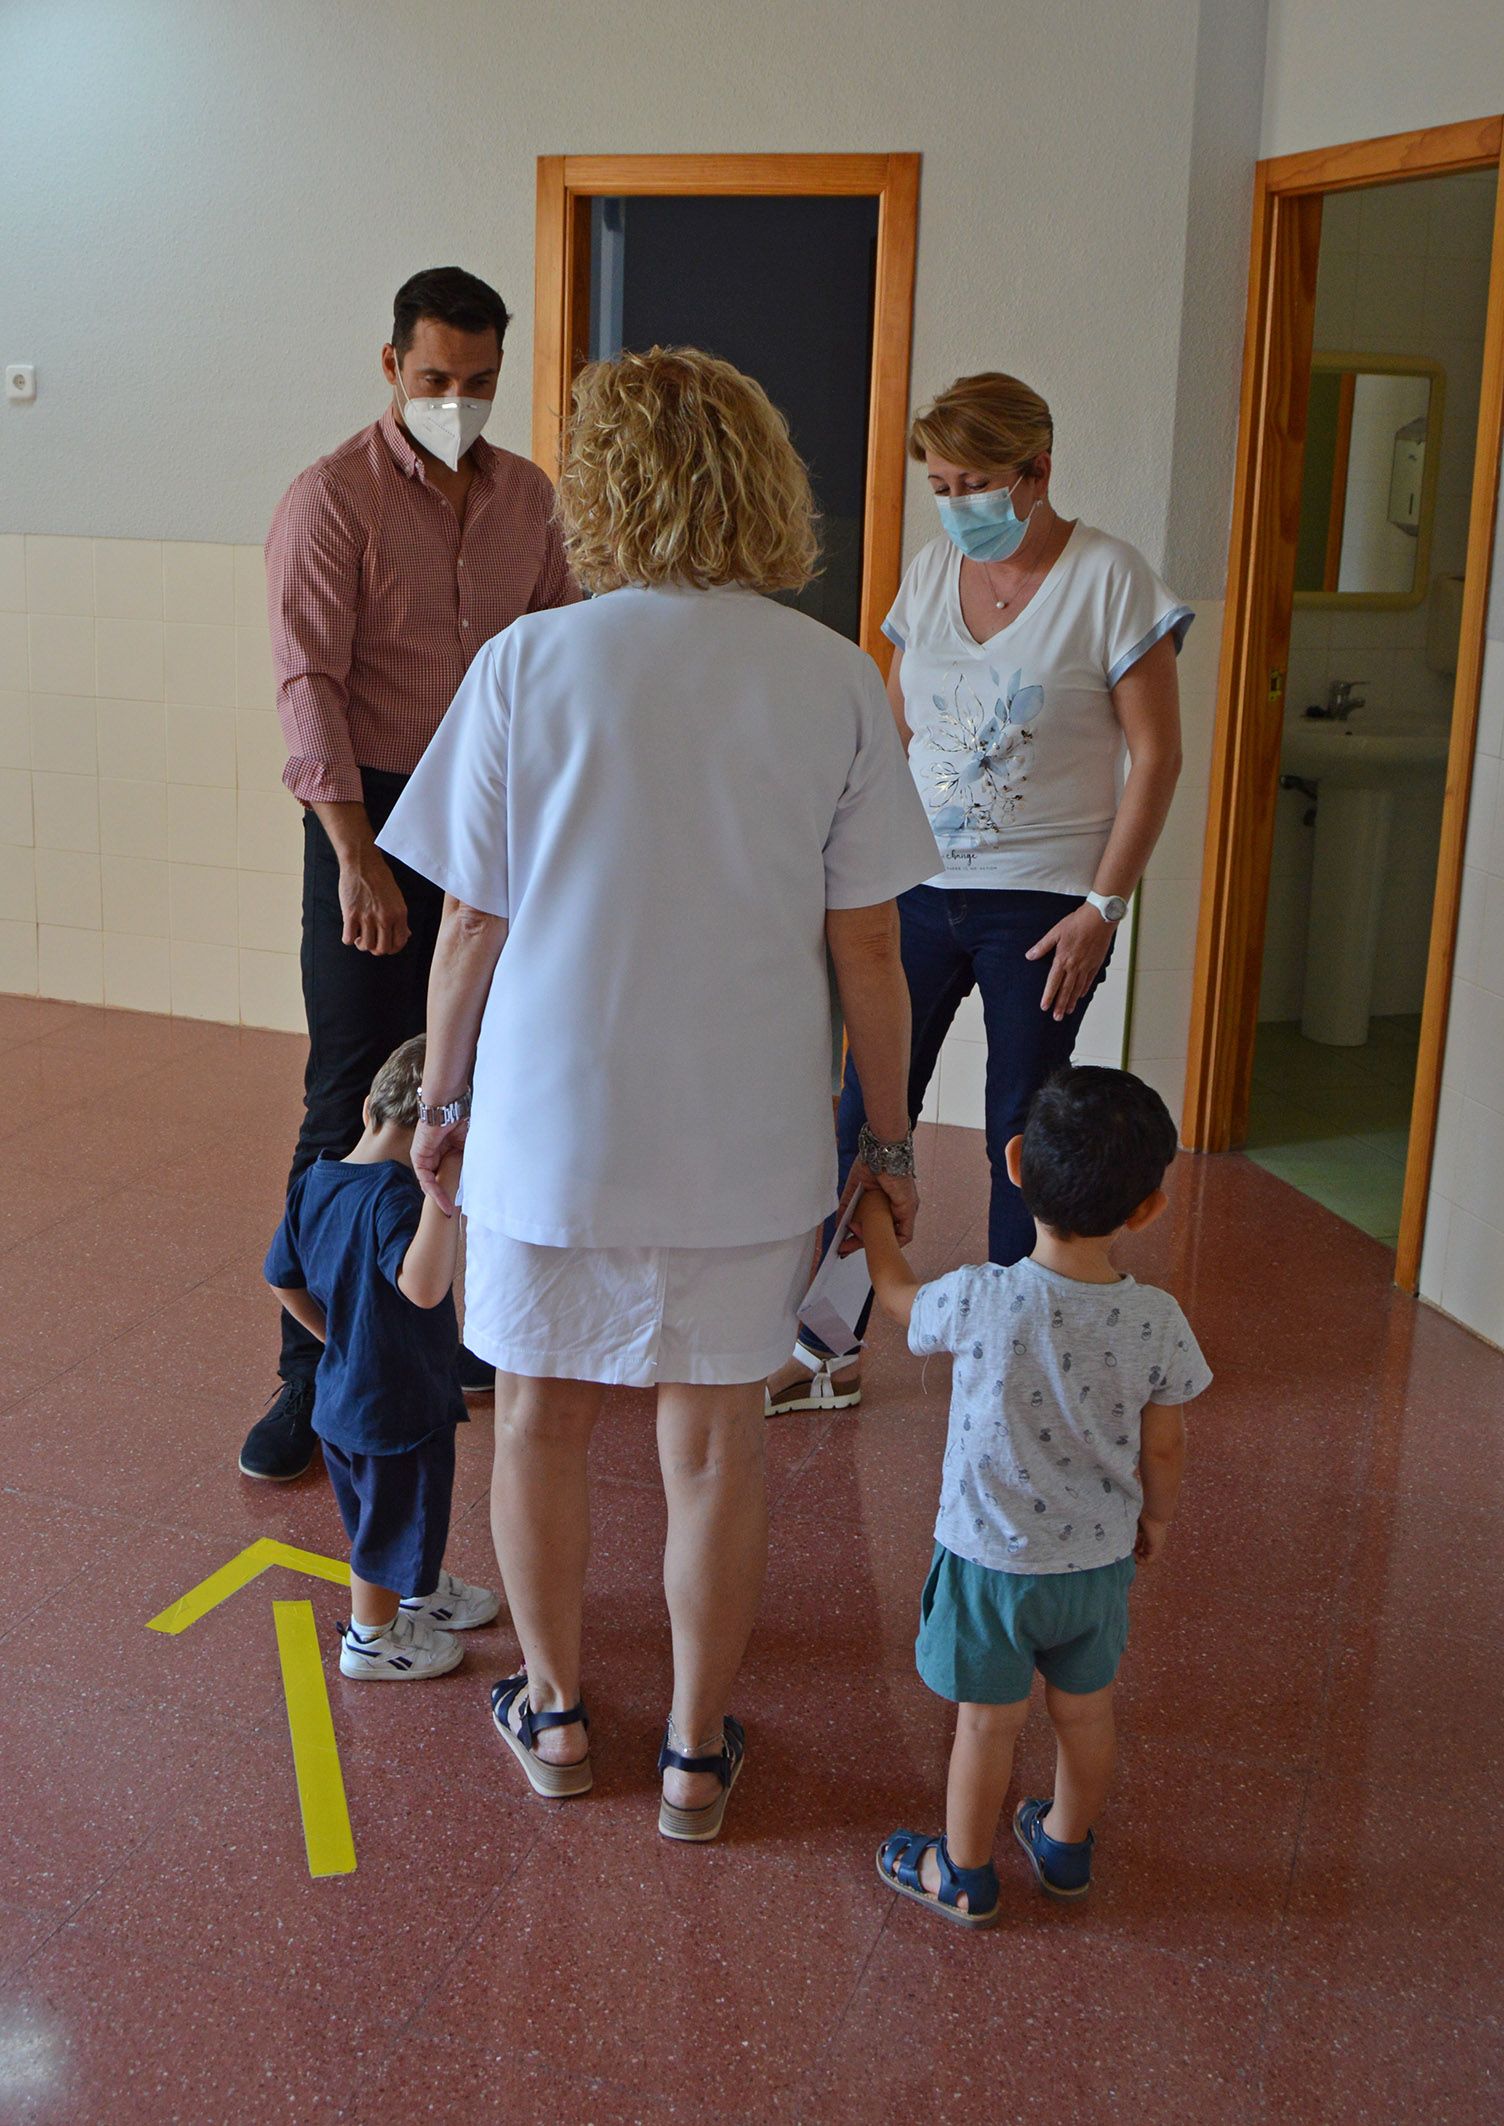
x=379, y=598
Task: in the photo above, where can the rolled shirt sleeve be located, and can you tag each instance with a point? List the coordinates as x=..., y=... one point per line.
x=880, y=841
x=450, y=823
x=1138, y=611
x=313, y=555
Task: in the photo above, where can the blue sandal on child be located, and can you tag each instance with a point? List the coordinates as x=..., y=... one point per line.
x=899, y=1860
x=1061, y=1870
x=555, y=1782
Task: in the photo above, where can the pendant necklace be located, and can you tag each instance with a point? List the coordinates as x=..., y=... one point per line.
x=1002, y=604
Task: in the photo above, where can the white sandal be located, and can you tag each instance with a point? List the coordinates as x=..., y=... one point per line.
x=819, y=1392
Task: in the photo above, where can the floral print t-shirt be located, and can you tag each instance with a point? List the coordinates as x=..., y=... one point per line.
x=1046, y=1409
x=1016, y=750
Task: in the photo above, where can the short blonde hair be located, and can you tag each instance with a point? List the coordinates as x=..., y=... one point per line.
x=988, y=423
x=679, y=469
x=394, y=1089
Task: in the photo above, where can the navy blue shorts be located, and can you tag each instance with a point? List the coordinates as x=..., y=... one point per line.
x=395, y=1508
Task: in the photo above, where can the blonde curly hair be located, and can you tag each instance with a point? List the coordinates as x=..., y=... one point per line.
x=679, y=469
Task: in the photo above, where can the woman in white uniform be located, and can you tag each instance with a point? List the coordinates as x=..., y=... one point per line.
x=1033, y=681
x=651, y=814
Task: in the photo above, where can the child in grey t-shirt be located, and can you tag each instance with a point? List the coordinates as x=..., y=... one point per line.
x=1062, y=1466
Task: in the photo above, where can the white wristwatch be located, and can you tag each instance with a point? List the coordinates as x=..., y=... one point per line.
x=1110, y=906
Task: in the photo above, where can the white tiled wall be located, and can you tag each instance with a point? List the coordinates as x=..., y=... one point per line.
x=149, y=856
x=1462, y=1266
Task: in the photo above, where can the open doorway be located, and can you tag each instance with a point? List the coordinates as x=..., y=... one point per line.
x=1347, y=713
x=798, y=268
x=1380, y=573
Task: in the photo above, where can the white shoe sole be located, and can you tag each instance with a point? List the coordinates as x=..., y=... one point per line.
x=384, y=1672
x=784, y=1405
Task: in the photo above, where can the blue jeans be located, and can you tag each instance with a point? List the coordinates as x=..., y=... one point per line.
x=954, y=942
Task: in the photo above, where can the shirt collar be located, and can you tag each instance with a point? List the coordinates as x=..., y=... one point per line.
x=399, y=443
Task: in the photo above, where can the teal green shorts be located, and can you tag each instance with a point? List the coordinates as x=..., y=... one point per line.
x=983, y=1633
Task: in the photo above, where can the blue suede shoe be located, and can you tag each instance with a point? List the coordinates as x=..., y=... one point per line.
x=1061, y=1870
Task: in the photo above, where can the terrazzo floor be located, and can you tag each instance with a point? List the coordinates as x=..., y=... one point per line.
x=1299, y=1908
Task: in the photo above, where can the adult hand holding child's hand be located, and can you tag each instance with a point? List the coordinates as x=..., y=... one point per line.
x=899, y=1192
x=437, y=1155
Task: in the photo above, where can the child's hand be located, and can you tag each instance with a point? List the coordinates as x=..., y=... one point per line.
x=449, y=1171
x=871, y=1205
x=1149, y=1544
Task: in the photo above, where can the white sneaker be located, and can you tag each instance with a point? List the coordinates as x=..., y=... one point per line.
x=454, y=1605
x=408, y=1650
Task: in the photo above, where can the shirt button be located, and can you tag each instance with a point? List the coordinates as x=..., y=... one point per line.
x=464, y=623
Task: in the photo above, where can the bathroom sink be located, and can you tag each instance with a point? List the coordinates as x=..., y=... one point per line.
x=1364, y=756
x=1361, y=772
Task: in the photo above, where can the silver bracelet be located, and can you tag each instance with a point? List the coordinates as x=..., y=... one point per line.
x=880, y=1158
x=446, y=1116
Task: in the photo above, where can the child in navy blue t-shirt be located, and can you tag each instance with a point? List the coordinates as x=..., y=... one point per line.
x=366, y=1262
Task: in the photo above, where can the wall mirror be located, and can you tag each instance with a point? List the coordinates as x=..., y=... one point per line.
x=1368, y=483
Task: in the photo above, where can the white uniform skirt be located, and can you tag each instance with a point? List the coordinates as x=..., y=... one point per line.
x=632, y=1317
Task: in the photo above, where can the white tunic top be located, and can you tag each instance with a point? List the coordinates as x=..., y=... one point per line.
x=1016, y=749
x=662, y=791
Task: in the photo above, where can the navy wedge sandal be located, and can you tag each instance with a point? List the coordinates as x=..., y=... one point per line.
x=699, y=1826
x=556, y=1782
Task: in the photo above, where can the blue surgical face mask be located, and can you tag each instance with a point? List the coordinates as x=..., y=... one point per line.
x=985, y=526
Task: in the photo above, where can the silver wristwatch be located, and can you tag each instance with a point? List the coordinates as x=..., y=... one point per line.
x=1110, y=906
x=880, y=1158
x=446, y=1116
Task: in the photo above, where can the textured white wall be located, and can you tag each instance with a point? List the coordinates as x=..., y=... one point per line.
x=1354, y=70
x=206, y=209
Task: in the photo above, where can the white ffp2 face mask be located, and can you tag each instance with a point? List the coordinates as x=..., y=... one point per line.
x=447, y=427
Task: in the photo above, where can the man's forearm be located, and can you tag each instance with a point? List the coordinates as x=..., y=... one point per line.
x=349, y=829
x=875, y=1004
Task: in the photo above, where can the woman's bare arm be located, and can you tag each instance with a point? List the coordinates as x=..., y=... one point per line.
x=1146, y=701
x=895, y=698
x=875, y=1005
x=464, y=960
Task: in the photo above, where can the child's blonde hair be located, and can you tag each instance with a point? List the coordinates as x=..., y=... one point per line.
x=394, y=1089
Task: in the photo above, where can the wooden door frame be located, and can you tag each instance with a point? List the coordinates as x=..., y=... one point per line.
x=561, y=312
x=1255, y=639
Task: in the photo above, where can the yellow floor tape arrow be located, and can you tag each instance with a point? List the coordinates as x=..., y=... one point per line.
x=315, y=1754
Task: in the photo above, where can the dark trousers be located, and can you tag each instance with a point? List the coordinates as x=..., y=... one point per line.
x=954, y=942
x=360, y=1007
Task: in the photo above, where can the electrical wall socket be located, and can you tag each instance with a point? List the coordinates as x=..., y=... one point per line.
x=20, y=381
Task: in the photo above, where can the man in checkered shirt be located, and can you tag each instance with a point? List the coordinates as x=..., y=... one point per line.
x=389, y=563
